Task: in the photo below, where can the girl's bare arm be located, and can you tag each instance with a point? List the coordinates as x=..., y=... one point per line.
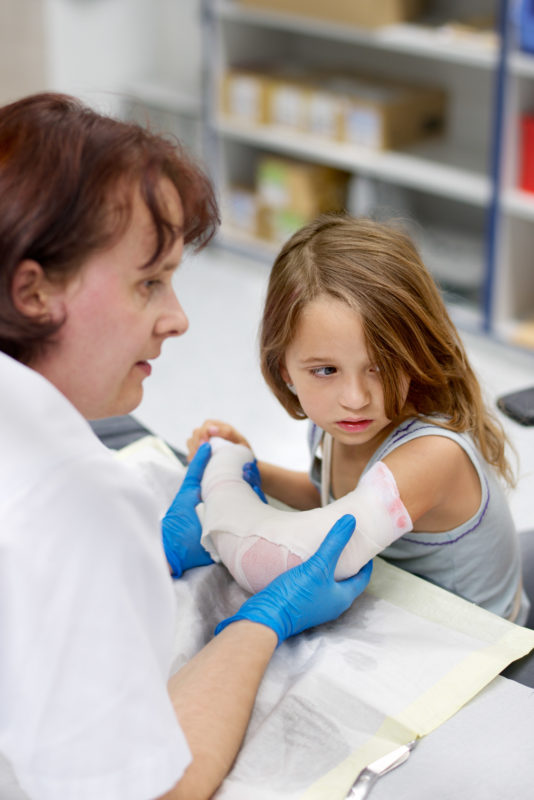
x=437, y=482
x=293, y=488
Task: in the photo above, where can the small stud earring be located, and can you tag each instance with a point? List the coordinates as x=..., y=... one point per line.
x=291, y=388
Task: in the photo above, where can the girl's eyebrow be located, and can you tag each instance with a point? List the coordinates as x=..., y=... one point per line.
x=315, y=360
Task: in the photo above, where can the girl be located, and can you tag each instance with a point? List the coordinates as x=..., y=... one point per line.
x=356, y=338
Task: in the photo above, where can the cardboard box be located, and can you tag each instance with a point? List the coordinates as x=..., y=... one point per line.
x=244, y=95
x=241, y=209
x=265, y=94
x=291, y=193
x=385, y=116
x=287, y=103
x=305, y=105
x=299, y=101
x=365, y=13
x=524, y=334
x=325, y=114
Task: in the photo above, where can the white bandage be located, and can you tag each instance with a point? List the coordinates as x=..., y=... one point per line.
x=257, y=542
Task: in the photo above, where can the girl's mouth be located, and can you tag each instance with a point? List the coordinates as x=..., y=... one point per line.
x=354, y=425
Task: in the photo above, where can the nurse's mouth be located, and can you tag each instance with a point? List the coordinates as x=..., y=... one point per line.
x=145, y=367
x=354, y=425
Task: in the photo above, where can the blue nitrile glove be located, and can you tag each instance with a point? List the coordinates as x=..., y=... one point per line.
x=251, y=475
x=307, y=594
x=181, y=526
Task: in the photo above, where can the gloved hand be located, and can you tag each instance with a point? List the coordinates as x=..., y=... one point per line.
x=307, y=594
x=181, y=528
x=251, y=475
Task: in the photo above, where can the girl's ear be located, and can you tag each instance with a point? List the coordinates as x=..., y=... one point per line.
x=284, y=374
x=32, y=292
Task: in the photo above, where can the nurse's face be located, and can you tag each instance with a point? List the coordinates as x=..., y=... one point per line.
x=117, y=315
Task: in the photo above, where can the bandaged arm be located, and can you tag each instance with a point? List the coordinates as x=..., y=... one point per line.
x=257, y=542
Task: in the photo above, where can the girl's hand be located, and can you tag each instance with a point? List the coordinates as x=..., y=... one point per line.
x=213, y=427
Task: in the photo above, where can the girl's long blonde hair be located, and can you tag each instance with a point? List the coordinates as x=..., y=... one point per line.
x=376, y=269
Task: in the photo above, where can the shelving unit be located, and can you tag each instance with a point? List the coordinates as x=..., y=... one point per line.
x=162, y=79
x=166, y=109
x=514, y=283
x=444, y=187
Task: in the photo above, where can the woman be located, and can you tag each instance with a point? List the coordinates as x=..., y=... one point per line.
x=95, y=215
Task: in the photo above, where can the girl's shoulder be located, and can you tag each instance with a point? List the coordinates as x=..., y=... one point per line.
x=430, y=454
x=414, y=428
x=430, y=470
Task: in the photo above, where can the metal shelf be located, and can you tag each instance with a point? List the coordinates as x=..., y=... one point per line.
x=419, y=40
x=164, y=98
x=435, y=167
x=519, y=204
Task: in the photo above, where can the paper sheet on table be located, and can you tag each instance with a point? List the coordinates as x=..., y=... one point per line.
x=399, y=663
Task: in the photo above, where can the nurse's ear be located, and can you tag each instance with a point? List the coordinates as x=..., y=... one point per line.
x=32, y=292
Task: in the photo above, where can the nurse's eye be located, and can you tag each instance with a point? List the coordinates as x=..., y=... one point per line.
x=151, y=284
x=323, y=372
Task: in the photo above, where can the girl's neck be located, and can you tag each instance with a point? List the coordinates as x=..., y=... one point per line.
x=349, y=461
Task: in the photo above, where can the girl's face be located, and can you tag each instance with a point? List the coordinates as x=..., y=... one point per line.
x=337, y=384
x=117, y=315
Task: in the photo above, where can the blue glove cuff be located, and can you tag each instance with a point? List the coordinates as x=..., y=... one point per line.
x=171, y=555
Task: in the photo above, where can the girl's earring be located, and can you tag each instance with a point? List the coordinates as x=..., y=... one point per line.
x=291, y=388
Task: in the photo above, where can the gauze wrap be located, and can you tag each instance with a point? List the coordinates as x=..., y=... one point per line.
x=257, y=542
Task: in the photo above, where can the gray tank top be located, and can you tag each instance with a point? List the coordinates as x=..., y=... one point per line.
x=479, y=560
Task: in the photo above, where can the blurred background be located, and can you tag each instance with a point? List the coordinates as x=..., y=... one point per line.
x=421, y=110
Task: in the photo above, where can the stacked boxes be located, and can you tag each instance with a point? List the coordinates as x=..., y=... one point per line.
x=287, y=194
x=244, y=96
x=359, y=110
x=291, y=193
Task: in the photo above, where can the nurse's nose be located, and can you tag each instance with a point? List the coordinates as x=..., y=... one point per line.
x=173, y=320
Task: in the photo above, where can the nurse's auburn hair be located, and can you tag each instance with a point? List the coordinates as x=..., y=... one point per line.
x=376, y=270
x=67, y=175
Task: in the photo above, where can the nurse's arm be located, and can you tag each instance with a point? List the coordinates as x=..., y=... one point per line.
x=213, y=696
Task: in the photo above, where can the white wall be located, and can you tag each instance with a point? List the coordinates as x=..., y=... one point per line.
x=96, y=48
x=22, y=49
x=177, y=42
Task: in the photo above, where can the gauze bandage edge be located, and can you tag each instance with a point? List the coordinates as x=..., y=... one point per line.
x=235, y=517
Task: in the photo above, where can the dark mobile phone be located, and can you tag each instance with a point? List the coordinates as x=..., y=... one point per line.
x=518, y=406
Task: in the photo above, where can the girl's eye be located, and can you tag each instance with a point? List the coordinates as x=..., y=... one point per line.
x=374, y=368
x=323, y=372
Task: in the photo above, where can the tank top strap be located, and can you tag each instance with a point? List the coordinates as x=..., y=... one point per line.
x=414, y=428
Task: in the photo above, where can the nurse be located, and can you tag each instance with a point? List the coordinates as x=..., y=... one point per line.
x=94, y=216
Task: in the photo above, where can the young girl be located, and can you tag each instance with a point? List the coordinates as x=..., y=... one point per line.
x=356, y=338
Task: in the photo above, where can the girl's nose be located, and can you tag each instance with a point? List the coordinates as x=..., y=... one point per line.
x=354, y=393
x=172, y=320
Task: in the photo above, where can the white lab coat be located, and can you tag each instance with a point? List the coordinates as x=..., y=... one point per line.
x=86, y=609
